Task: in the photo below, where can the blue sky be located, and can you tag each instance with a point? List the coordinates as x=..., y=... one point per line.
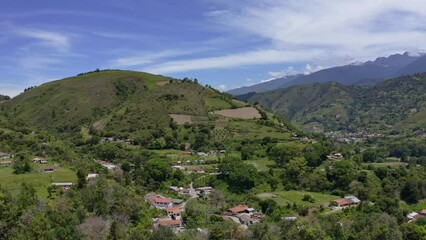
x=226, y=44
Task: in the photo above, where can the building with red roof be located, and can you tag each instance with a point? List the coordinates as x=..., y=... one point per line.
x=238, y=209
x=159, y=201
x=170, y=223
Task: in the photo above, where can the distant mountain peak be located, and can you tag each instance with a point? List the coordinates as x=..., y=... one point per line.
x=369, y=72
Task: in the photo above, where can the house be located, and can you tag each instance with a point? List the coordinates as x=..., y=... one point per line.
x=6, y=163
x=177, y=167
x=347, y=201
x=109, y=166
x=203, y=191
x=5, y=155
x=158, y=201
x=180, y=190
x=238, y=209
x=170, y=223
x=39, y=160
x=413, y=216
x=65, y=185
x=289, y=218
x=91, y=176
x=48, y=168
x=174, y=213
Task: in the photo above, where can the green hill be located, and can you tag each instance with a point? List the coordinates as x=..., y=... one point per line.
x=396, y=104
x=142, y=107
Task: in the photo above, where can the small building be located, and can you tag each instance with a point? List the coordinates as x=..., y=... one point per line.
x=177, y=167
x=158, y=201
x=91, y=176
x=170, y=223
x=180, y=190
x=423, y=212
x=39, y=160
x=4, y=155
x=203, y=191
x=289, y=218
x=48, y=168
x=174, y=213
x=6, y=163
x=347, y=201
x=64, y=185
x=238, y=209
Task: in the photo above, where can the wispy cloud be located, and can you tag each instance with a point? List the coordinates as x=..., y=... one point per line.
x=144, y=58
x=58, y=41
x=363, y=29
x=233, y=60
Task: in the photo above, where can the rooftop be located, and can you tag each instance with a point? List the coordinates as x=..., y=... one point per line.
x=238, y=209
x=169, y=223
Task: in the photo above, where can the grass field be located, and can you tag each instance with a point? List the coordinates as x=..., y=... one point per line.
x=285, y=197
x=214, y=103
x=40, y=181
x=251, y=130
x=262, y=164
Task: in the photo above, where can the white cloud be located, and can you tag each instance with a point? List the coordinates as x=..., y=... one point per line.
x=289, y=71
x=234, y=60
x=148, y=58
x=311, y=69
x=222, y=87
x=362, y=29
x=58, y=41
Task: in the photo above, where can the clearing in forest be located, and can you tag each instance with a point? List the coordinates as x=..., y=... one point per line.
x=242, y=113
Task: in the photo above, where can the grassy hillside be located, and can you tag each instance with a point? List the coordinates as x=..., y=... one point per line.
x=112, y=96
x=390, y=105
x=135, y=106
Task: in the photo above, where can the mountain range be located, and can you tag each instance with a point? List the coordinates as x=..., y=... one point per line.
x=366, y=73
x=394, y=105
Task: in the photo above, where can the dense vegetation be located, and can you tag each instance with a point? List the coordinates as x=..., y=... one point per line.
x=4, y=97
x=264, y=163
x=394, y=105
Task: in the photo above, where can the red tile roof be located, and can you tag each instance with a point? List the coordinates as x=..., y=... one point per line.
x=238, y=209
x=162, y=200
x=169, y=223
x=173, y=210
x=344, y=201
x=158, y=199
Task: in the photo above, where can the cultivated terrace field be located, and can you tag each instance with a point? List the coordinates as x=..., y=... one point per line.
x=131, y=155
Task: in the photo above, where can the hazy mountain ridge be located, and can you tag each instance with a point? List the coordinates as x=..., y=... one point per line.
x=367, y=73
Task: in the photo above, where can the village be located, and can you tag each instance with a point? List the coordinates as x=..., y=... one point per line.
x=171, y=209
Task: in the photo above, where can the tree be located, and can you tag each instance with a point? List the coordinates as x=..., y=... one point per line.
x=115, y=233
x=295, y=169
x=81, y=176
x=413, y=191
x=268, y=206
x=21, y=164
x=283, y=153
x=156, y=171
